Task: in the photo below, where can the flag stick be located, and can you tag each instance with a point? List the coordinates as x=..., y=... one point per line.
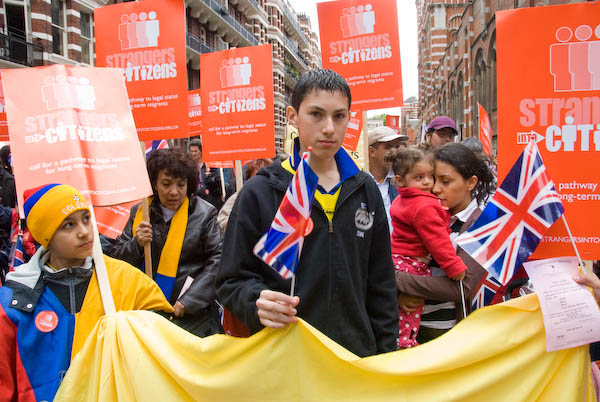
x=365, y=135
x=100, y=268
x=572, y=241
x=146, y=217
x=293, y=286
x=462, y=299
x=239, y=182
x=222, y=184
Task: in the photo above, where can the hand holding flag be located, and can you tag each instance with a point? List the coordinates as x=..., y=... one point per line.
x=280, y=247
x=514, y=221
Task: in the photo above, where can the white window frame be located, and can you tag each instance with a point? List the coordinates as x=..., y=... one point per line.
x=90, y=39
x=63, y=28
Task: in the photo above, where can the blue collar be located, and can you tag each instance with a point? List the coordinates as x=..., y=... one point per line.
x=345, y=164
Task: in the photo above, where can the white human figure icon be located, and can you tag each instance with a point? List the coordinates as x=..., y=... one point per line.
x=245, y=71
x=152, y=29
x=131, y=31
x=123, y=37
x=85, y=95
x=129, y=72
x=231, y=81
x=62, y=91
x=559, y=60
x=48, y=94
x=140, y=30
x=369, y=19
x=569, y=133
x=579, y=59
x=345, y=23
x=594, y=60
x=223, y=74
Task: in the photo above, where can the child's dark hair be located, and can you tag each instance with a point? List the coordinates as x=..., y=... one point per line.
x=404, y=159
x=320, y=79
x=468, y=164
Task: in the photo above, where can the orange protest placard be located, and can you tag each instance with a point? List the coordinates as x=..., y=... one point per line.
x=195, y=112
x=549, y=92
x=111, y=220
x=72, y=125
x=359, y=40
x=3, y=122
x=237, y=104
x=393, y=122
x=146, y=39
x=354, y=130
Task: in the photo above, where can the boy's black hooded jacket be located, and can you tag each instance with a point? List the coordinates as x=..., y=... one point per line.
x=345, y=277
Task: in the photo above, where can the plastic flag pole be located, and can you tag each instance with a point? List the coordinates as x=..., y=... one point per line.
x=572, y=241
x=462, y=299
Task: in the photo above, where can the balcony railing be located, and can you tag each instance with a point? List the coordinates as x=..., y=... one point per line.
x=197, y=44
x=224, y=13
x=18, y=50
x=291, y=17
x=293, y=47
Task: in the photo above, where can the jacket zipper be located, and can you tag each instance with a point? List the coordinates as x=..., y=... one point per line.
x=71, y=293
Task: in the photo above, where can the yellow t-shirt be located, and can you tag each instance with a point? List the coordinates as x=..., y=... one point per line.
x=325, y=199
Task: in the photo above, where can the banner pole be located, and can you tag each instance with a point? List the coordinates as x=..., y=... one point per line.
x=146, y=217
x=572, y=241
x=462, y=299
x=365, y=135
x=100, y=268
x=239, y=182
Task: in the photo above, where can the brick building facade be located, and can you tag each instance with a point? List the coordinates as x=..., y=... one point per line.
x=457, y=58
x=42, y=32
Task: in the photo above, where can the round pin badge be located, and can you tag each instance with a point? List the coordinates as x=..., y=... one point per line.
x=46, y=321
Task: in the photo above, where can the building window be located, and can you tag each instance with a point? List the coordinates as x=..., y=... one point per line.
x=59, y=24
x=87, y=38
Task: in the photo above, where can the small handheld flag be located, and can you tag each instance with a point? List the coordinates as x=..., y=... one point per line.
x=16, y=254
x=280, y=247
x=153, y=145
x=512, y=224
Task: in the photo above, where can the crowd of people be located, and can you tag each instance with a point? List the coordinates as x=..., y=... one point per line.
x=378, y=271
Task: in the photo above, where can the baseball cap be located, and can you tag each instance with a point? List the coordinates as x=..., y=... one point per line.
x=441, y=122
x=383, y=134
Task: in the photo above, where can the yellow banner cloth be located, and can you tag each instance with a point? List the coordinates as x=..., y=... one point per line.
x=497, y=354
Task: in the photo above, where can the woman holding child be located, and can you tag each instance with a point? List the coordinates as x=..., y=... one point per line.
x=462, y=181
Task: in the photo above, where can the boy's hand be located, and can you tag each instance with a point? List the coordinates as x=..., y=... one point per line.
x=408, y=303
x=459, y=277
x=276, y=309
x=178, y=309
x=143, y=233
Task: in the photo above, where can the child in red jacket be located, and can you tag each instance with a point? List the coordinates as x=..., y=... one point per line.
x=421, y=230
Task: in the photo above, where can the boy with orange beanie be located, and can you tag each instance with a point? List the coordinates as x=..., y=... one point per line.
x=49, y=305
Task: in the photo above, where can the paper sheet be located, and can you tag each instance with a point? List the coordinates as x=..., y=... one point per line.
x=571, y=314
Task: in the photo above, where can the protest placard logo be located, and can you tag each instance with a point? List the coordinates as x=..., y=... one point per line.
x=575, y=59
x=139, y=30
x=60, y=91
x=358, y=20
x=235, y=72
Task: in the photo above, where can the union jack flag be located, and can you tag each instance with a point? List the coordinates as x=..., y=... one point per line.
x=280, y=247
x=152, y=146
x=16, y=254
x=485, y=292
x=512, y=224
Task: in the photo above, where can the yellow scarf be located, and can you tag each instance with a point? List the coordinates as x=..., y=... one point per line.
x=169, y=256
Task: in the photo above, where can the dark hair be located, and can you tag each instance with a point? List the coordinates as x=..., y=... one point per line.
x=468, y=164
x=196, y=142
x=4, y=154
x=404, y=159
x=320, y=79
x=175, y=163
x=255, y=164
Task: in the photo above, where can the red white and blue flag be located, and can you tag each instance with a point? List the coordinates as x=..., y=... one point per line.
x=512, y=224
x=485, y=292
x=280, y=247
x=16, y=254
x=152, y=146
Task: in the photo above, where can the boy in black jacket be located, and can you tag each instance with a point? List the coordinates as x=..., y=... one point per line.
x=345, y=278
